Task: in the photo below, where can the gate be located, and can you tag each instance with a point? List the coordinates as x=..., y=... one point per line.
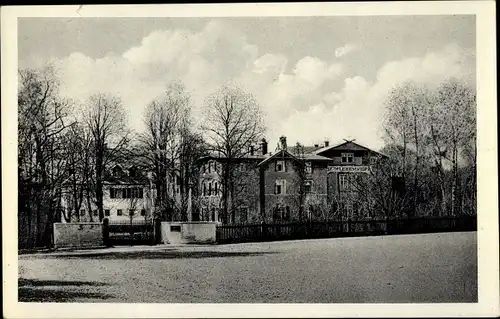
x=129, y=232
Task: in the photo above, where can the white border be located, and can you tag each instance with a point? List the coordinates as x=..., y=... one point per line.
x=488, y=279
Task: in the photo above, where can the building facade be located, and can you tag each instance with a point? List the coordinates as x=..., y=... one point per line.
x=127, y=195
x=292, y=184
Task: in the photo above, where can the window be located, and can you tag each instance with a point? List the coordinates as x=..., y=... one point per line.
x=277, y=214
x=143, y=212
x=131, y=212
x=280, y=166
x=115, y=193
x=131, y=172
x=202, y=214
x=213, y=215
x=348, y=209
x=119, y=212
x=287, y=213
x=209, y=167
x=203, y=168
x=280, y=187
x=204, y=189
x=308, y=168
x=347, y=158
x=308, y=186
x=106, y=212
x=216, y=190
x=82, y=212
x=243, y=214
x=344, y=181
x=94, y=212
x=210, y=189
x=134, y=192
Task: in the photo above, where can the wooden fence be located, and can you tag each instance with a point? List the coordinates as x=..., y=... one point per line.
x=342, y=228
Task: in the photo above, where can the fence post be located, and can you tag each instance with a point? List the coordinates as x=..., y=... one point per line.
x=105, y=232
x=157, y=231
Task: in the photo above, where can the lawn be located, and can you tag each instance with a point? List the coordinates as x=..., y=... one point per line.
x=408, y=268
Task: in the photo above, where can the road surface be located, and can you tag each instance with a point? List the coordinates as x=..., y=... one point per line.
x=410, y=268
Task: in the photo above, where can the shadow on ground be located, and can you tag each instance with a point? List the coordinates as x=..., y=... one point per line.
x=34, y=290
x=157, y=254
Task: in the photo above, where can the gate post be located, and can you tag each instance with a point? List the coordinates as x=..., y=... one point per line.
x=157, y=231
x=105, y=232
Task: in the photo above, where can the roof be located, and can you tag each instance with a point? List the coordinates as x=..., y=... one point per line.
x=315, y=157
x=282, y=153
x=126, y=180
x=307, y=157
x=347, y=146
x=247, y=157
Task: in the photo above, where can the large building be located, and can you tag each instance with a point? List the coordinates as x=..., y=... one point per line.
x=291, y=184
x=127, y=194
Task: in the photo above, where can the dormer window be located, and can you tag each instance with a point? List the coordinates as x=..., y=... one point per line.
x=308, y=168
x=347, y=158
x=132, y=172
x=280, y=166
x=117, y=171
x=308, y=186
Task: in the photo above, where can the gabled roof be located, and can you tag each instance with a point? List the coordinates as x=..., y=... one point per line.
x=315, y=157
x=346, y=146
x=245, y=157
x=126, y=180
x=282, y=153
x=286, y=153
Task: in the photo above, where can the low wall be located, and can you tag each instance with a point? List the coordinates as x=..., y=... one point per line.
x=188, y=232
x=78, y=234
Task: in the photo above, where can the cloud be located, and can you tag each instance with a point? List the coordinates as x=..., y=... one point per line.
x=346, y=49
x=357, y=109
x=306, y=100
x=202, y=60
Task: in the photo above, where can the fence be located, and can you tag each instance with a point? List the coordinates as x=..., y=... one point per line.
x=342, y=228
x=131, y=232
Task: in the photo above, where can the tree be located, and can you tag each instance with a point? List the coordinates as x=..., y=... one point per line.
x=42, y=171
x=105, y=120
x=166, y=138
x=458, y=126
x=407, y=106
x=233, y=123
x=433, y=134
x=77, y=188
x=299, y=178
x=192, y=147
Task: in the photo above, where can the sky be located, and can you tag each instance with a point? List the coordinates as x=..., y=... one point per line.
x=316, y=78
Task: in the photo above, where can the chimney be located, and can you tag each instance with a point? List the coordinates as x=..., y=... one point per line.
x=263, y=146
x=251, y=150
x=327, y=143
x=316, y=145
x=283, y=142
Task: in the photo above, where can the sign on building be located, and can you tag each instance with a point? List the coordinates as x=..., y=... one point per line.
x=349, y=169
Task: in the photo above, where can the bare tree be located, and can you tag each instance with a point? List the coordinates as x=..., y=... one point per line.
x=104, y=117
x=192, y=148
x=433, y=132
x=41, y=153
x=458, y=126
x=299, y=178
x=233, y=122
x=167, y=119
